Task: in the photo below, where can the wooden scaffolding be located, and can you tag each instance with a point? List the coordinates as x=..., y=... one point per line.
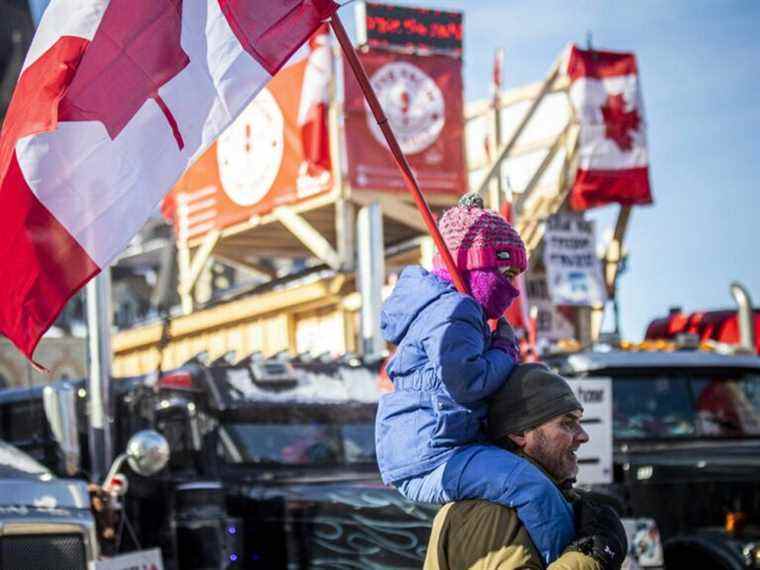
x=532, y=135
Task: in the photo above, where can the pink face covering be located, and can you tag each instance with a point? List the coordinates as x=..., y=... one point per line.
x=492, y=290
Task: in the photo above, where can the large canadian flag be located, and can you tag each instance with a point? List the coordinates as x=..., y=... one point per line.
x=116, y=98
x=613, y=160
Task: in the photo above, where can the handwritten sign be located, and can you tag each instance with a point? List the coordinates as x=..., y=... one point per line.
x=573, y=271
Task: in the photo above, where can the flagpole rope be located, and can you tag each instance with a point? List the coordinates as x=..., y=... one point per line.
x=406, y=171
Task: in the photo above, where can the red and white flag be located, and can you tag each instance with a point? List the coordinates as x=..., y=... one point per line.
x=115, y=100
x=497, y=74
x=315, y=102
x=613, y=164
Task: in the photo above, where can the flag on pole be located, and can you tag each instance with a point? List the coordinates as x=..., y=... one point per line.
x=497, y=72
x=115, y=99
x=613, y=158
x=315, y=102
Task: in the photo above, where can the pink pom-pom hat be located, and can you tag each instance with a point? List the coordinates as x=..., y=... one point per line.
x=479, y=238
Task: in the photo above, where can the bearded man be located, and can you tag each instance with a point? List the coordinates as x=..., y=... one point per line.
x=536, y=415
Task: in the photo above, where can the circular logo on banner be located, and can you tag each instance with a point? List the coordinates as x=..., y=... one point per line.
x=413, y=104
x=249, y=152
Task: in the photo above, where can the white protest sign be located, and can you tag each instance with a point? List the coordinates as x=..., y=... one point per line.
x=140, y=560
x=595, y=457
x=551, y=325
x=573, y=271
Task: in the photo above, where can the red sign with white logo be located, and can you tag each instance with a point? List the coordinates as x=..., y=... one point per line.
x=422, y=98
x=275, y=153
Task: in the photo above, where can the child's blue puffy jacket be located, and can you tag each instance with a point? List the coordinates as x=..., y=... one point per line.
x=442, y=372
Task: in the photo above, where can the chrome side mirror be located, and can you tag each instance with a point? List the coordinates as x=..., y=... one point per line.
x=147, y=452
x=59, y=402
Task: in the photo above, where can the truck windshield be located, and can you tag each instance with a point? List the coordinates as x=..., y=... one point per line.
x=302, y=443
x=689, y=405
x=14, y=463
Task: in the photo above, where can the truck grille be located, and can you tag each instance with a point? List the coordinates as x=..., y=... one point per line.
x=42, y=552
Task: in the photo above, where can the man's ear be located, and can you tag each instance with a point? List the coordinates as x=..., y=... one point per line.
x=518, y=439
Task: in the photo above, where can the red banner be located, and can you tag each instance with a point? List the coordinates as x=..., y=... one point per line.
x=423, y=100
x=275, y=153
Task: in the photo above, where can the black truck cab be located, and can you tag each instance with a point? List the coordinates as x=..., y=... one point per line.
x=686, y=448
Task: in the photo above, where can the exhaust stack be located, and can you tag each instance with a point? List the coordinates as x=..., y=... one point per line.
x=746, y=317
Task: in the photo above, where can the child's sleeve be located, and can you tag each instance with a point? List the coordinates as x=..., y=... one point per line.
x=464, y=362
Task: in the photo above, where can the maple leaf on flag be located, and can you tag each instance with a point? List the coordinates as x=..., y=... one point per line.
x=613, y=167
x=135, y=51
x=619, y=123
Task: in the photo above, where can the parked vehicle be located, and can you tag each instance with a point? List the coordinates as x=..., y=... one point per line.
x=42, y=518
x=51, y=523
x=288, y=449
x=272, y=465
x=686, y=427
x=236, y=441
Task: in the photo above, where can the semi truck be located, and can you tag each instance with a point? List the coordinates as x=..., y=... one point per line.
x=272, y=461
x=272, y=465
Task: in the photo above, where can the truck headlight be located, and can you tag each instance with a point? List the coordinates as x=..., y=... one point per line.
x=751, y=554
x=644, y=543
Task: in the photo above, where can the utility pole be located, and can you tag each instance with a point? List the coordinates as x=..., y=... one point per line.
x=99, y=373
x=371, y=253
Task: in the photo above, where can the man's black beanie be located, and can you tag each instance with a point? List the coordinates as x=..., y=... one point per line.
x=531, y=396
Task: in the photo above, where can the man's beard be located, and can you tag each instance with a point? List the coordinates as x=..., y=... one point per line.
x=560, y=464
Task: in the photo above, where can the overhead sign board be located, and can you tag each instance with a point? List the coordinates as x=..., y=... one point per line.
x=407, y=28
x=422, y=96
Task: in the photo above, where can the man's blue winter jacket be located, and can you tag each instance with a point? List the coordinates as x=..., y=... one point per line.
x=442, y=371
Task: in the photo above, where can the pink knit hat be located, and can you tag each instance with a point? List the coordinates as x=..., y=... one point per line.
x=479, y=238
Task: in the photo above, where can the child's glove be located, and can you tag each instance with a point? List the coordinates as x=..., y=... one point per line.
x=599, y=534
x=503, y=338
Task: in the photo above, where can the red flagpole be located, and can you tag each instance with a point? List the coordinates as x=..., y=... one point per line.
x=411, y=182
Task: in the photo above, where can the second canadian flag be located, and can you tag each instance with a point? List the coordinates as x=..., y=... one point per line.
x=613, y=160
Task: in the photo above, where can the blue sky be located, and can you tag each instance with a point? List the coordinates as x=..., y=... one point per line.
x=699, y=65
